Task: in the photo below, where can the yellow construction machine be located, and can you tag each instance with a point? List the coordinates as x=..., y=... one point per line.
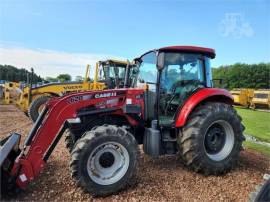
x=10, y=92
x=113, y=73
x=242, y=96
x=261, y=98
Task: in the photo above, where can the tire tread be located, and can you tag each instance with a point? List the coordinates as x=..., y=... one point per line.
x=190, y=135
x=102, y=131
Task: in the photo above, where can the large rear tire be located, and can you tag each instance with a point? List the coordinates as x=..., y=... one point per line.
x=36, y=106
x=211, y=140
x=104, y=161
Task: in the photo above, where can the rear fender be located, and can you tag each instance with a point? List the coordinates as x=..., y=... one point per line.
x=203, y=95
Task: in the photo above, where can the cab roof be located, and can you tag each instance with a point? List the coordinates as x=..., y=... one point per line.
x=186, y=49
x=191, y=49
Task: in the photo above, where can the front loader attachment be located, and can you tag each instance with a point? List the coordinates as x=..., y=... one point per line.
x=9, y=151
x=21, y=166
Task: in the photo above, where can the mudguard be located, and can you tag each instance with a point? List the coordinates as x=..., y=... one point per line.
x=205, y=94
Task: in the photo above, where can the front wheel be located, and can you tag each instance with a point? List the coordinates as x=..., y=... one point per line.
x=211, y=140
x=104, y=160
x=36, y=107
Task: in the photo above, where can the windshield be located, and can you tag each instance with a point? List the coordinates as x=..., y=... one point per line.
x=112, y=71
x=180, y=69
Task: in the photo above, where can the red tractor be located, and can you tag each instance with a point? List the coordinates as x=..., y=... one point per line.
x=172, y=109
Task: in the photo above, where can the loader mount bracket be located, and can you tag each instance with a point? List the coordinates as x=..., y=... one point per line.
x=9, y=149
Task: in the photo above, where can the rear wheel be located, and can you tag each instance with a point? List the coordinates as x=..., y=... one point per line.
x=36, y=107
x=211, y=140
x=104, y=160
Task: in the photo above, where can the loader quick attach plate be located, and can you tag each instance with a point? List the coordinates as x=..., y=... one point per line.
x=9, y=150
x=9, y=146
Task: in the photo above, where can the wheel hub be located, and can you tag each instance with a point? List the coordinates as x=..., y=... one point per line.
x=215, y=139
x=106, y=159
x=108, y=163
x=219, y=140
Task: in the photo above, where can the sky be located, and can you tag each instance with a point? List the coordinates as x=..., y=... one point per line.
x=62, y=36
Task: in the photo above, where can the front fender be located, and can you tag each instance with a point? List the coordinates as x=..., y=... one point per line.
x=206, y=94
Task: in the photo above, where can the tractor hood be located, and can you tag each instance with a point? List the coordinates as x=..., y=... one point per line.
x=92, y=102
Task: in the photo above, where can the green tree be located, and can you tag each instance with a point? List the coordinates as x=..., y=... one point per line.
x=64, y=77
x=79, y=78
x=243, y=75
x=11, y=73
x=51, y=79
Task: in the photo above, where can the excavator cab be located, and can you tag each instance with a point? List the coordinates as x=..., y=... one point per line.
x=114, y=72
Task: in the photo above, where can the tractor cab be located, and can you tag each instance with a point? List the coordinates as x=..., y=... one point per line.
x=173, y=74
x=115, y=73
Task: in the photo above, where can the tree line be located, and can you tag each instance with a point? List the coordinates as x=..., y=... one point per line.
x=238, y=75
x=11, y=73
x=241, y=75
x=14, y=74
x=59, y=78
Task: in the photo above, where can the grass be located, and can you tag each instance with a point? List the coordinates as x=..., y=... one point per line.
x=257, y=123
x=258, y=147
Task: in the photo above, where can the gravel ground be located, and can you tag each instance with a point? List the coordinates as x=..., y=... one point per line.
x=162, y=179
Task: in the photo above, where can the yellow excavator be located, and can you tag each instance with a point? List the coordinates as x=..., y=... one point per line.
x=108, y=74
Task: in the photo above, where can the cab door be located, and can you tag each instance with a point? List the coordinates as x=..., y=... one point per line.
x=147, y=76
x=182, y=75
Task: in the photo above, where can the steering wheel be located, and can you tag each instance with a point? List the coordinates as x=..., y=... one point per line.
x=183, y=83
x=120, y=84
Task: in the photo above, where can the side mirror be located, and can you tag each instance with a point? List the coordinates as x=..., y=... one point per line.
x=160, y=60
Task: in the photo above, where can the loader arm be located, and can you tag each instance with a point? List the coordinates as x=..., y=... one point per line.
x=52, y=123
